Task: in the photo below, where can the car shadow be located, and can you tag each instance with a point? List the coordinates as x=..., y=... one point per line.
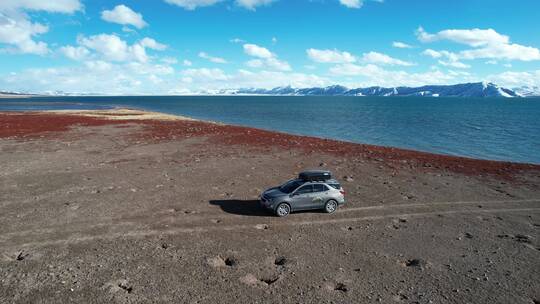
x=242, y=207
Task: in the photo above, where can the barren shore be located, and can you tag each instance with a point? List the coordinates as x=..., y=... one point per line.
x=126, y=206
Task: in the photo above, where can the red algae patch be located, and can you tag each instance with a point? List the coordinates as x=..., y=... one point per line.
x=391, y=157
x=27, y=125
x=31, y=124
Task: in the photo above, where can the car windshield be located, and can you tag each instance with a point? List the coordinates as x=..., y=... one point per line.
x=290, y=186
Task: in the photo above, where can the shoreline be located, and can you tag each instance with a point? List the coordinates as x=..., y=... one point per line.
x=161, y=126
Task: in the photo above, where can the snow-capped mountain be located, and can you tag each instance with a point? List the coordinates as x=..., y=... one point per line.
x=526, y=91
x=479, y=89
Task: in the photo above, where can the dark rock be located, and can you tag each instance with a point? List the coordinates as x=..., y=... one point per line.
x=280, y=261
x=21, y=256
x=416, y=263
x=341, y=287
x=231, y=262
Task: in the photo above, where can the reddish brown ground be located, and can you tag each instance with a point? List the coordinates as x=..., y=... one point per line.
x=28, y=125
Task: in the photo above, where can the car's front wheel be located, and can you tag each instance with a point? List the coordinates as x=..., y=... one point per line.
x=331, y=206
x=283, y=209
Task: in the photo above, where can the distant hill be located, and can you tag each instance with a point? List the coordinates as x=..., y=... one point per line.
x=478, y=89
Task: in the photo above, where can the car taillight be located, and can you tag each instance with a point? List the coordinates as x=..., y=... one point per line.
x=342, y=192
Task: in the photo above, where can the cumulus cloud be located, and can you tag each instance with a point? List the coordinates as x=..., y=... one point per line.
x=96, y=76
x=212, y=58
x=75, y=52
x=352, y=3
x=17, y=29
x=112, y=48
x=187, y=62
x=371, y=74
x=330, y=56
x=215, y=79
x=270, y=63
x=486, y=43
x=56, y=6
x=152, y=44
x=401, y=45
x=206, y=74
x=252, y=4
x=450, y=59
x=124, y=15
x=511, y=79
x=192, y=4
x=257, y=51
x=379, y=58
x=265, y=58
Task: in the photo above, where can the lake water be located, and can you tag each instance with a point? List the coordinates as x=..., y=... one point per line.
x=489, y=128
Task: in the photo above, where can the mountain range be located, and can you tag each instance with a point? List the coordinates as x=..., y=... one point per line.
x=476, y=89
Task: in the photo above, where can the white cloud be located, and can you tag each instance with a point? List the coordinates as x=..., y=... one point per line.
x=124, y=15
x=112, y=48
x=371, y=74
x=432, y=53
x=169, y=60
x=270, y=63
x=215, y=79
x=454, y=64
x=503, y=51
x=473, y=37
x=187, y=62
x=374, y=57
x=152, y=44
x=352, y=3
x=237, y=40
x=512, y=79
x=56, y=6
x=19, y=32
x=96, y=76
x=266, y=59
x=212, y=58
x=192, y=4
x=206, y=74
x=452, y=59
x=487, y=44
x=75, y=52
x=252, y=4
x=257, y=51
x=255, y=63
x=401, y=45
x=330, y=56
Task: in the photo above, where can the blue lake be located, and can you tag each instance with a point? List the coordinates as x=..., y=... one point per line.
x=489, y=128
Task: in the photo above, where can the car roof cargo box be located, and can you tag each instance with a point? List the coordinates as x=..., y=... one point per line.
x=315, y=175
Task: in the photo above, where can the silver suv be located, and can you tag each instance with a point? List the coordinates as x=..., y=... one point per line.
x=301, y=194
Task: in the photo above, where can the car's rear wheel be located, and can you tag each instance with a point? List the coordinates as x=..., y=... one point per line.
x=283, y=209
x=331, y=206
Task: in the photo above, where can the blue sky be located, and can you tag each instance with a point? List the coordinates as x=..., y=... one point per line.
x=186, y=46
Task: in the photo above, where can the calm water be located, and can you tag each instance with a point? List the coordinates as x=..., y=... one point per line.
x=493, y=128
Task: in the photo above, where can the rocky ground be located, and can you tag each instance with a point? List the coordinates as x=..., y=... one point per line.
x=94, y=210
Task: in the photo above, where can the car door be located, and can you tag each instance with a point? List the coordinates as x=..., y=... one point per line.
x=301, y=198
x=319, y=196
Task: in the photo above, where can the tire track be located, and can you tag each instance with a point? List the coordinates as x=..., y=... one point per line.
x=218, y=228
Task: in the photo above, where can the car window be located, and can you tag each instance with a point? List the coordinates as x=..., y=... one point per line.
x=290, y=186
x=319, y=188
x=305, y=189
x=335, y=185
